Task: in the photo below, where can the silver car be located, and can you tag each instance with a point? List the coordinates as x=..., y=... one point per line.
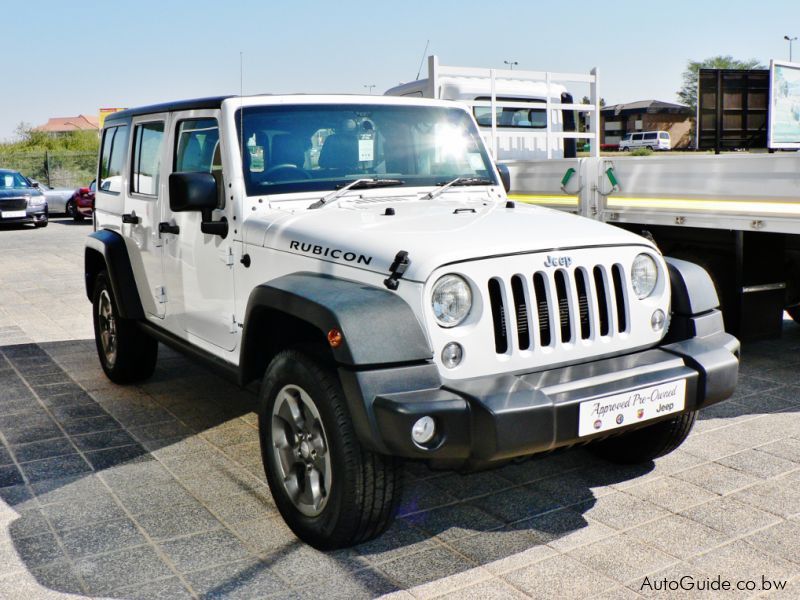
x=57, y=198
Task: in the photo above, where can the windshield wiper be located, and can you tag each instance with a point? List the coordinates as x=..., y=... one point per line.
x=457, y=181
x=355, y=185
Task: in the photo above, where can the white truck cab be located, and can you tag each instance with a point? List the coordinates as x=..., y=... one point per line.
x=359, y=256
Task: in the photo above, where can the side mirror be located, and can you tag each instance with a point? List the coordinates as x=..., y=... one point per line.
x=192, y=192
x=35, y=184
x=505, y=176
x=197, y=192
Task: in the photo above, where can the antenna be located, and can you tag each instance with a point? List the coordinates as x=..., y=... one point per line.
x=424, y=52
x=241, y=104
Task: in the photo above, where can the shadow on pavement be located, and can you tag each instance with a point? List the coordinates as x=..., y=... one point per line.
x=144, y=490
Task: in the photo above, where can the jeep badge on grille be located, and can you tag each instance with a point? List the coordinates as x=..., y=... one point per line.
x=557, y=261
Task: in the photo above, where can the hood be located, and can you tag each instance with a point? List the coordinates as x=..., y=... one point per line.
x=434, y=232
x=19, y=193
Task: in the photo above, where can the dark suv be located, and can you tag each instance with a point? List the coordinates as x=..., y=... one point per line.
x=21, y=202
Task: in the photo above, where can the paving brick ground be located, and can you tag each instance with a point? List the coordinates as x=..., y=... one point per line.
x=157, y=491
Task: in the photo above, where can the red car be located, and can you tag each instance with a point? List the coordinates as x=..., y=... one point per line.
x=81, y=205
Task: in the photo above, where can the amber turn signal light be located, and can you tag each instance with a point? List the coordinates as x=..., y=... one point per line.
x=335, y=338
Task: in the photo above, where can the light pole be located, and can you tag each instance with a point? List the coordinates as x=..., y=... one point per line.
x=511, y=64
x=790, y=40
x=369, y=87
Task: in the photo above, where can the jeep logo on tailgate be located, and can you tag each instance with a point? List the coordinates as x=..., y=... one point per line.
x=557, y=261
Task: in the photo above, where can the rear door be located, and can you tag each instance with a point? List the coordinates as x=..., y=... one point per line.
x=198, y=267
x=144, y=195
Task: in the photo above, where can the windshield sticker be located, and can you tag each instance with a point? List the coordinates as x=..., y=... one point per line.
x=366, y=149
x=335, y=253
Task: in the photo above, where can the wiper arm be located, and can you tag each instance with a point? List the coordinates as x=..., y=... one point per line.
x=354, y=185
x=457, y=181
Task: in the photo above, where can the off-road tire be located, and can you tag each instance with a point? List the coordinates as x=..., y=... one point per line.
x=365, y=487
x=645, y=444
x=135, y=352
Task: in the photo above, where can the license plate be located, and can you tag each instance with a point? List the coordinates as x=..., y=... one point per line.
x=12, y=214
x=619, y=410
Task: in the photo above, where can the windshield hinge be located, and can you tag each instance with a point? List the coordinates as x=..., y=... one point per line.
x=399, y=266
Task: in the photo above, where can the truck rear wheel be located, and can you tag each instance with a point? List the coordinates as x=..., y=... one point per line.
x=126, y=353
x=331, y=491
x=645, y=444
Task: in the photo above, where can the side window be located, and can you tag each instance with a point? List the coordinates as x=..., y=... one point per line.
x=147, y=145
x=663, y=135
x=650, y=136
x=112, y=158
x=196, y=146
x=637, y=137
x=197, y=150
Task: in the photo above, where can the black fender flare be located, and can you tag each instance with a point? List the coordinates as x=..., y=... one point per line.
x=106, y=250
x=694, y=302
x=378, y=327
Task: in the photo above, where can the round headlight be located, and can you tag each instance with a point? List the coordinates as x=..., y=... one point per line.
x=644, y=275
x=451, y=300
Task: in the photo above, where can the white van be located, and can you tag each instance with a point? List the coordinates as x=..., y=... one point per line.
x=654, y=140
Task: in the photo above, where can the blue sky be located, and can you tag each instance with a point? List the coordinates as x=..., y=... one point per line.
x=76, y=56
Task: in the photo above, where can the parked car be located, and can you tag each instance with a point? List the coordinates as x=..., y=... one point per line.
x=654, y=140
x=81, y=204
x=57, y=198
x=20, y=201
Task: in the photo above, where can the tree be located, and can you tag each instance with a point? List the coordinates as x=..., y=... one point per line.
x=688, y=92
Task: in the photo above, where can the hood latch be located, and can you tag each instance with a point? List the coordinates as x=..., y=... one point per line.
x=399, y=266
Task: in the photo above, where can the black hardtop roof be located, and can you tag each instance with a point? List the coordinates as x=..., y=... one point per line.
x=193, y=104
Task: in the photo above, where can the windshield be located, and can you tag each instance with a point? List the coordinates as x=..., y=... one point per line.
x=322, y=147
x=10, y=180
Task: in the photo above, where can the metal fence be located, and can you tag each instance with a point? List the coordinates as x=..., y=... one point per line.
x=56, y=169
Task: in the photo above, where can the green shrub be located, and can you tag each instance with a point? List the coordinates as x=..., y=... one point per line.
x=641, y=152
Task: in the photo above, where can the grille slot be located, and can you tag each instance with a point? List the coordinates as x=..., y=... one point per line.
x=602, y=300
x=498, y=316
x=521, y=312
x=583, y=303
x=561, y=307
x=619, y=295
x=542, y=309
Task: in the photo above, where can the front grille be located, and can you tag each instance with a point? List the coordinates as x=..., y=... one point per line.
x=13, y=204
x=555, y=308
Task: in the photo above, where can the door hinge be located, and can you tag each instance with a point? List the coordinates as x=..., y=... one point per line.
x=227, y=256
x=161, y=294
x=234, y=325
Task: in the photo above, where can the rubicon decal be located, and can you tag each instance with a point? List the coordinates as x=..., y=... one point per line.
x=334, y=253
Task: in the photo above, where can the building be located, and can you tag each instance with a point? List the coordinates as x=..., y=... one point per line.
x=61, y=125
x=647, y=115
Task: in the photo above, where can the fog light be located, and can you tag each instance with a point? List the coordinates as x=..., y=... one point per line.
x=423, y=430
x=452, y=354
x=657, y=320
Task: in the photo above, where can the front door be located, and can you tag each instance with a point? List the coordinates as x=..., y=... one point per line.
x=198, y=267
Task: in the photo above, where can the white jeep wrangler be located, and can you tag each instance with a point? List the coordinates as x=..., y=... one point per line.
x=359, y=257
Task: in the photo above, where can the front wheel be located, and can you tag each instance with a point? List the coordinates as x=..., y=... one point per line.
x=645, y=444
x=126, y=353
x=331, y=491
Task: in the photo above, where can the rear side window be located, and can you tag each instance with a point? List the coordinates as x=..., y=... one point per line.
x=197, y=146
x=650, y=136
x=112, y=158
x=147, y=145
x=663, y=135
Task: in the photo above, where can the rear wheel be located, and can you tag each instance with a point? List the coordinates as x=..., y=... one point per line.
x=126, y=353
x=330, y=490
x=645, y=444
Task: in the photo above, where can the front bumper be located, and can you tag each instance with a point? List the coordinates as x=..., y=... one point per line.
x=33, y=214
x=503, y=416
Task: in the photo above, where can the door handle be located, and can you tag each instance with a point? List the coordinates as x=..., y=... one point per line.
x=130, y=218
x=166, y=227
